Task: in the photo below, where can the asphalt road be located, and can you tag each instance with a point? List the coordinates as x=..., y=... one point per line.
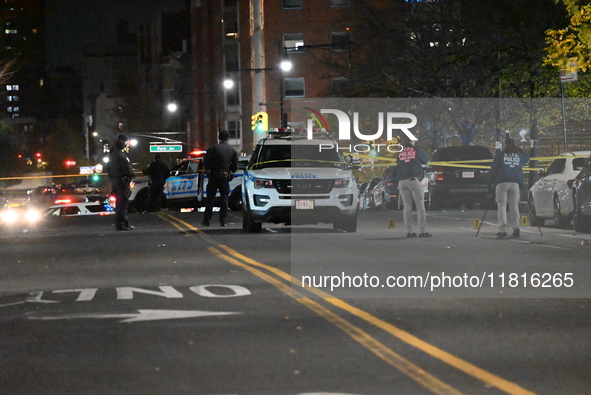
x=173, y=308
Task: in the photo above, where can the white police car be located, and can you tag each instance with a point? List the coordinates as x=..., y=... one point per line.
x=186, y=187
x=291, y=179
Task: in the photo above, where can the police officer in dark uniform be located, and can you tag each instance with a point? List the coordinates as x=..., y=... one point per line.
x=221, y=162
x=120, y=172
x=158, y=172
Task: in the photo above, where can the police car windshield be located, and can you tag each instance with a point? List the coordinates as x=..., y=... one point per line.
x=298, y=156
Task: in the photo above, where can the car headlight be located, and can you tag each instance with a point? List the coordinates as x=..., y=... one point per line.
x=260, y=183
x=9, y=216
x=342, y=183
x=32, y=215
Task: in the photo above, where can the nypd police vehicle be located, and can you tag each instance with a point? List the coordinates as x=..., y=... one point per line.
x=295, y=180
x=186, y=187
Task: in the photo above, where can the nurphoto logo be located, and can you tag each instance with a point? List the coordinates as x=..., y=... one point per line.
x=390, y=119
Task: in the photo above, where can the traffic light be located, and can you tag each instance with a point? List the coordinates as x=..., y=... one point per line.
x=260, y=122
x=96, y=177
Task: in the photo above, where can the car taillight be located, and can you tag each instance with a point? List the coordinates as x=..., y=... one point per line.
x=570, y=183
x=438, y=174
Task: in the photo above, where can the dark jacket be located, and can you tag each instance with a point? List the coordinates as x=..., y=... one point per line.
x=119, y=165
x=508, y=167
x=221, y=158
x=409, y=163
x=157, y=171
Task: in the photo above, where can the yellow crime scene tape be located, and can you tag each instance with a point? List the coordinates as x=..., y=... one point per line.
x=464, y=164
x=388, y=161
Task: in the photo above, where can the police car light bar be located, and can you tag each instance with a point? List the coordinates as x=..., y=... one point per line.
x=197, y=152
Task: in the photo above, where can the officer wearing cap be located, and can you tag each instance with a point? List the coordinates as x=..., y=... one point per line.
x=220, y=163
x=120, y=172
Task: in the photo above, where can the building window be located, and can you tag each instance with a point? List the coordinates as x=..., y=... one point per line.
x=339, y=41
x=12, y=87
x=292, y=42
x=10, y=31
x=338, y=3
x=338, y=85
x=294, y=86
x=233, y=96
x=13, y=98
x=292, y=4
x=234, y=129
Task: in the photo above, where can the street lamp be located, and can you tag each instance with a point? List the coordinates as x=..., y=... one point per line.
x=228, y=83
x=284, y=66
x=172, y=107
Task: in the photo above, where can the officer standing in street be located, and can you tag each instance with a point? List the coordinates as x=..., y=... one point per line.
x=120, y=172
x=507, y=177
x=410, y=174
x=220, y=163
x=158, y=173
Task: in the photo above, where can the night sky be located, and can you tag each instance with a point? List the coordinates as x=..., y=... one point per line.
x=72, y=23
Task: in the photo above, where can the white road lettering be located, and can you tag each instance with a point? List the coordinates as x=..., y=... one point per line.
x=141, y=315
x=125, y=293
x=202, y=290
x=85, y=294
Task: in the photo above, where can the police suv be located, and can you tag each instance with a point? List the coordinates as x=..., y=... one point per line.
x=186, y=187
x=295, y=180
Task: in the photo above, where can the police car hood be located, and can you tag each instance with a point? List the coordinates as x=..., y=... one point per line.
x=287, y=173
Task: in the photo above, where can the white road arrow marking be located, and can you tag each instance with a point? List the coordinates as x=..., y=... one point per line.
x=141, y=315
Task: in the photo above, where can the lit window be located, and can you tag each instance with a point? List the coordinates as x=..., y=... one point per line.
x=9, y=109
x=10, y=31
x=291, y=4
x=292, y=42
x=294, y=86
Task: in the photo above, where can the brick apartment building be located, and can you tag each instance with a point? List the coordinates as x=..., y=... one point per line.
x=245, y=41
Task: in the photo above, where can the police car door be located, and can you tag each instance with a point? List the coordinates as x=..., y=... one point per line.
x=186, y=183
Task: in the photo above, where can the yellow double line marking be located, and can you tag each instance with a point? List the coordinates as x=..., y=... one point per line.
x=382, y=351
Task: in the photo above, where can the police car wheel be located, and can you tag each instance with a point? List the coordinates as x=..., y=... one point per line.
x=248, y=224
x=348, y=223
x=235, y=199
x=140, y=203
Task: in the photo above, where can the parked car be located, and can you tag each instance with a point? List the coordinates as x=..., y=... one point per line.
x=84, y=187
x=581, y=192
x=387, y=188
x=551, y=196
x=187, y=187
x=374, y=196
x=79, y=209
x=361, y=201
x=462, y=184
